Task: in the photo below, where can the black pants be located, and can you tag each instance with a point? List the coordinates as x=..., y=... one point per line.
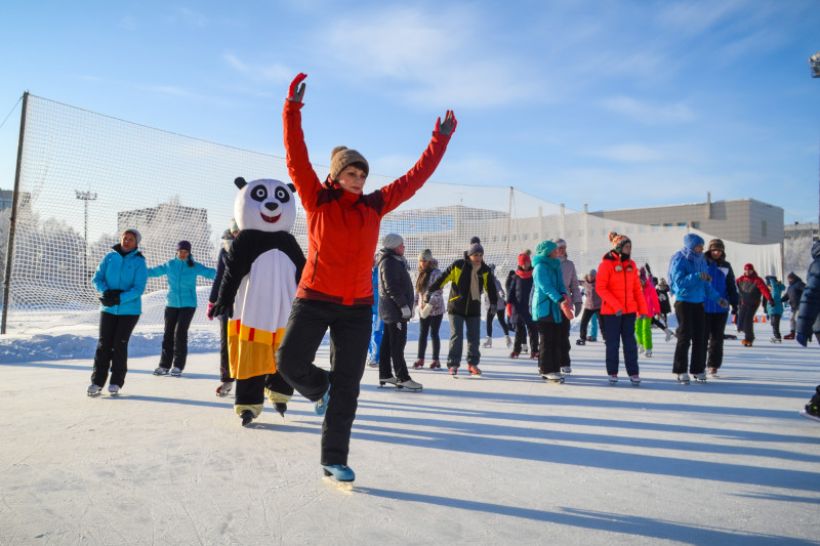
x=620, y=329
x=431, y=324
x=746, y=319
x=112, y=348
x=775, y=320
x=565, y=344
x=715, y=326
x=251, y=391
x=175, y=338
x=501, y=321
x=393, y=342
x=550, y=343
x=691, y=331
x=349, y=338
x=586, y=316
x=522, y=328
x=224, y=366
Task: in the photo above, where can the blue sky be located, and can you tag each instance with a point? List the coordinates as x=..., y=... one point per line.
x=616, y=104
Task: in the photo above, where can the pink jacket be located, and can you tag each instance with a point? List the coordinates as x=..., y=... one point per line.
x=653, y=306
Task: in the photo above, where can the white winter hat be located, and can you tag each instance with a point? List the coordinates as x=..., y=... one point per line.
x=392, y=240
x=134, y=232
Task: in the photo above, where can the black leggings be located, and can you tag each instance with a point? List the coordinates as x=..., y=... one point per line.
x=501, y=321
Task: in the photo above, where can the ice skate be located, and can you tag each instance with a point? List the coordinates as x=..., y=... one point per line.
x=508, y=341
x=93, y=390
x=488, y=343
x=775, y=339
x=640, y=350
x=321, y=404
x=635, y=380
x=525, y=349
x=713, y=373
x=176, y=372
x=247, y=418
x=435, y=365
x=669, y=334
x=566, y=370
x=580, y=342
x=808, y=415
x=453, y=371
x=648, y=353
x=373, y=363
x=514, y=354
x=700, y=377
x=388, y=381
x=553, y=377
x=340, y=473
x=613, y=379
x=790, y=335
x=159, y=370
x=474, y=370
x=224, y=389
x=281, y=408
x=114, y=390
x=592, y=339
x=683, y=378
x=534, y=356
x=418, y=364
x=746, y=342
x=409, y=384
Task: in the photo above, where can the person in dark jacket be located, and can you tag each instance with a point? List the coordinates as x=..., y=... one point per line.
x=430, y=314
x=663, y=298
x=751, y=289
x=395, y=310
x=336, y=290
x=723, y=281
x=120, y=278
x=808, y=320
x=499, y=313
x=180, y=306
x=469, y=277
x=226, y=381
x=518, y=300
x=793, y=294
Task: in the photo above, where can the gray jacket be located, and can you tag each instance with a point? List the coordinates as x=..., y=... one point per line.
x=591, y=298
x=571, y=280
x=436, y=298
x=395, y=286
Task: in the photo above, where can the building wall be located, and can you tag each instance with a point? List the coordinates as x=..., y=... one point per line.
x=745, y=221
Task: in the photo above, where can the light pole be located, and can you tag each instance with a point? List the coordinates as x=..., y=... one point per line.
x=85, y=197
x=814, y=64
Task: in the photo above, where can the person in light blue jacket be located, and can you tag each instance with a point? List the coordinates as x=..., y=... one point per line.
x=180, y=306
x=690, y=282
x=775, y=309
x=120, y=278
x=550, y=304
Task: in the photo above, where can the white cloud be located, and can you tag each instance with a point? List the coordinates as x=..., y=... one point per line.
x=649, y=113
x=630, y=153
x=268, y=73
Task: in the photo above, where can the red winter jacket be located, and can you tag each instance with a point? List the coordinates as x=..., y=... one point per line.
x=343, y=227
x=619, y=286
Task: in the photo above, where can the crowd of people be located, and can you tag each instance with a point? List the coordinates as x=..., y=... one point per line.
x=366, y=298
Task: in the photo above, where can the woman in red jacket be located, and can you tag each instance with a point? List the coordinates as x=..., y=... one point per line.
x=622, y=301
x=336, y=289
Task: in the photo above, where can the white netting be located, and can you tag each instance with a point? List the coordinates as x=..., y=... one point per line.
x=172, y=187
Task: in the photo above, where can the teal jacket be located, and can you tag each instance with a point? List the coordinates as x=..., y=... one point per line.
x=181, y=280
x=776, y=288
x=122, y=272
x=548, y=289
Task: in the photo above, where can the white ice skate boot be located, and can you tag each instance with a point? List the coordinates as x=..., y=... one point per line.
x=114, y=390
x=176, y=372
x=409, y=385
x=224, y=389
x=93, y=390
x=508, y=341
x=648, y=353
x=488, y=344
x=683, y=378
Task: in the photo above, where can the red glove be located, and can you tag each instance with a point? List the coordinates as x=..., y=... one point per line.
x=296, y=91
x=210, y=311
x=509, y=309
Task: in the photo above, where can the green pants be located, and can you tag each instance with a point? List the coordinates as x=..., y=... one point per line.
x=643, y=332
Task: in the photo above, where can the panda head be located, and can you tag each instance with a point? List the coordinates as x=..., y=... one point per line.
x=266, y=205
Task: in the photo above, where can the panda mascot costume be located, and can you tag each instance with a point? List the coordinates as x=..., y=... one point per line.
x=262, y=270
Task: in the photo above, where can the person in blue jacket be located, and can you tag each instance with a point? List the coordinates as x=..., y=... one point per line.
x=723, y=281
x=120, y=278
x=550, y=305
x=691, y=284
x=808, y=320
x=377, y=328
x=775, y=308
x=180, y=305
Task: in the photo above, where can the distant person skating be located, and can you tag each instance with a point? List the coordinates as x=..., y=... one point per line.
x=225, y=380
x=592, y=306
x=120, y=278
x=431, y=313
x=499, y=313
x=180, y=306
x=518, y=301
x=751, y=289
x=793, y=294
x=551, y=306
x=775, y=309
x=723, y=281
x=808, y=321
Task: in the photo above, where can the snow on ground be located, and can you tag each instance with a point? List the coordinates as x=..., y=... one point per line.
x=506, y=459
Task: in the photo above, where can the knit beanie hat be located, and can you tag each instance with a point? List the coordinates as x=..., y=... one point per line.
x=135, y=233
x=592, y=272
x=748, y=266
x=524, y=260
x=392, y=240
x=717, y=244
x=184, y=245
x=544, y=248
x=618, y=241
x=560, y=243
x=475, y=247
x=426, y=255
x=691, y=240
x=342, y=157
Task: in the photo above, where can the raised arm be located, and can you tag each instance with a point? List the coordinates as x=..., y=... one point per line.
x=299, y=168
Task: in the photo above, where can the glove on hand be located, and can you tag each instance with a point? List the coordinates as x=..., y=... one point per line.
x=210, y=312
x=297, y=89
x=705, y=276
x=448, y=126
x=110, y=298
x=566, y=309
x=406, y=312
x=219, y=309
x=724, y=303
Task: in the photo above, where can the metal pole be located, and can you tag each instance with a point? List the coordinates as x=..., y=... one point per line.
x=509, y=219
x=15, y=199
x=85, y=197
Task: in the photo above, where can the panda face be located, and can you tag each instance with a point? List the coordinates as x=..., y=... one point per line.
x=266, y=205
